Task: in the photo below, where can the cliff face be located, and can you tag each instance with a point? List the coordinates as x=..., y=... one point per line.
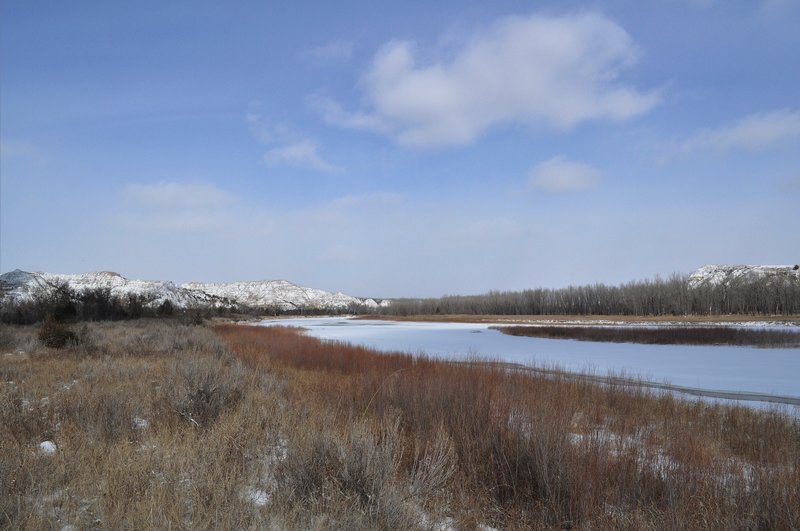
x=725, y=275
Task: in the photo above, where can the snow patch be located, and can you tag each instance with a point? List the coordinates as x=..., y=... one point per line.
x=257, y=497
x=47, y=448
x=725, y=275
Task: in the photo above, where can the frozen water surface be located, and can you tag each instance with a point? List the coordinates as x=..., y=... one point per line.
x=747, y=369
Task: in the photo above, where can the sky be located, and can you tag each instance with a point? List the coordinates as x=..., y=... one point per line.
x=392, y=149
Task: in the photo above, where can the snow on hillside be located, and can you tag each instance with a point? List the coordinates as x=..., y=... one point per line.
x=716, y=275
x=279, y=294
x=22, y=285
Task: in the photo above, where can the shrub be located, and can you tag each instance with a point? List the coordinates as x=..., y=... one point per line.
x=53, y=334
x=203, y=387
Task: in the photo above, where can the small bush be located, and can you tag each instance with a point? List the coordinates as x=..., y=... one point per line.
x=8, y=339
x=204, y=387
x=53, y=334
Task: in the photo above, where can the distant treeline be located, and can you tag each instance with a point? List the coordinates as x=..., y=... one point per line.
x=672, y=296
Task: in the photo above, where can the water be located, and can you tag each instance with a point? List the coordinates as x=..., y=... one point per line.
x=729, y=368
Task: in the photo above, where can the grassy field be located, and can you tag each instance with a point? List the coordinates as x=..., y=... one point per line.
x=159, y=424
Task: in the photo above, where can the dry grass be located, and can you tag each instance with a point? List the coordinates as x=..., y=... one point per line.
x=529, y=451
x=158, y=424
x=672, y=335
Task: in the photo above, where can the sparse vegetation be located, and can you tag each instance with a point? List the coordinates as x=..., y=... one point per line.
x=156, y=423
x=670, y=335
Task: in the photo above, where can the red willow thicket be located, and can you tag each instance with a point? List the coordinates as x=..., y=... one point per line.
x=535, y=450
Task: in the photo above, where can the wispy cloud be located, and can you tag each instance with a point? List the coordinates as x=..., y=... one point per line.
x=302, y=154
x=554, y=71
x=560, y=175
x=333, y=113
x=177, y=207
x=15, y=150
x=754, y=132
x=285, y=146
x=331, y=52
x=370, y=199
x=176, y=196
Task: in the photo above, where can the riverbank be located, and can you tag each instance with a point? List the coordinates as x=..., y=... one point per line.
x=591, y=319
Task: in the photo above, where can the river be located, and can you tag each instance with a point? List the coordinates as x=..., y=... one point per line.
x=756, y=371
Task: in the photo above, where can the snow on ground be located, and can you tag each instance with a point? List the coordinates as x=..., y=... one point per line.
x=257, y=497
x=47, y=448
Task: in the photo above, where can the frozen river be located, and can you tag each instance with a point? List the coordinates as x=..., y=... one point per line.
x=728, y=368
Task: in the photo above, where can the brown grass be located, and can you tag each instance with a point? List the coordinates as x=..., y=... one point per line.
x=670, y=335
x=158, y=424
x=531, y=451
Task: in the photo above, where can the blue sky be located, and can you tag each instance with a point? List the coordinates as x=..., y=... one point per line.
x=399, y=148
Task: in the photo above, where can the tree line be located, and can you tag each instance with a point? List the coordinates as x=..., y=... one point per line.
x=59, y=302
x=671, y=296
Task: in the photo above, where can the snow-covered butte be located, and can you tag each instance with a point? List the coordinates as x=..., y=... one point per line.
x=278, y=294
x=726, y=275
x=23, y=285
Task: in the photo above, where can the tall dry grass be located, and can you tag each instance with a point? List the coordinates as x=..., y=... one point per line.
x=157, y=424
x=149, y=425
x=533, y=451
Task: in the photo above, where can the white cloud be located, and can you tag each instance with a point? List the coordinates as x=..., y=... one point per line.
x=753, y=133
x=302, y=154
x=555, y=71
x=286, y=146
x=560, y=175
x=333, y=114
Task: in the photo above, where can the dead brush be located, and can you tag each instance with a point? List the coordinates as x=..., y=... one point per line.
x=202, y=387
x=25, y=421
x=352, y=477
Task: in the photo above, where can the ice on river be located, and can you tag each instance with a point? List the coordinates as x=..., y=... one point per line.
x=730, y=368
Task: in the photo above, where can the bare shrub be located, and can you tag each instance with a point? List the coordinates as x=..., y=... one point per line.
x=351, y=479
x=56, y=335
x=433, y=467
x=203, y=386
